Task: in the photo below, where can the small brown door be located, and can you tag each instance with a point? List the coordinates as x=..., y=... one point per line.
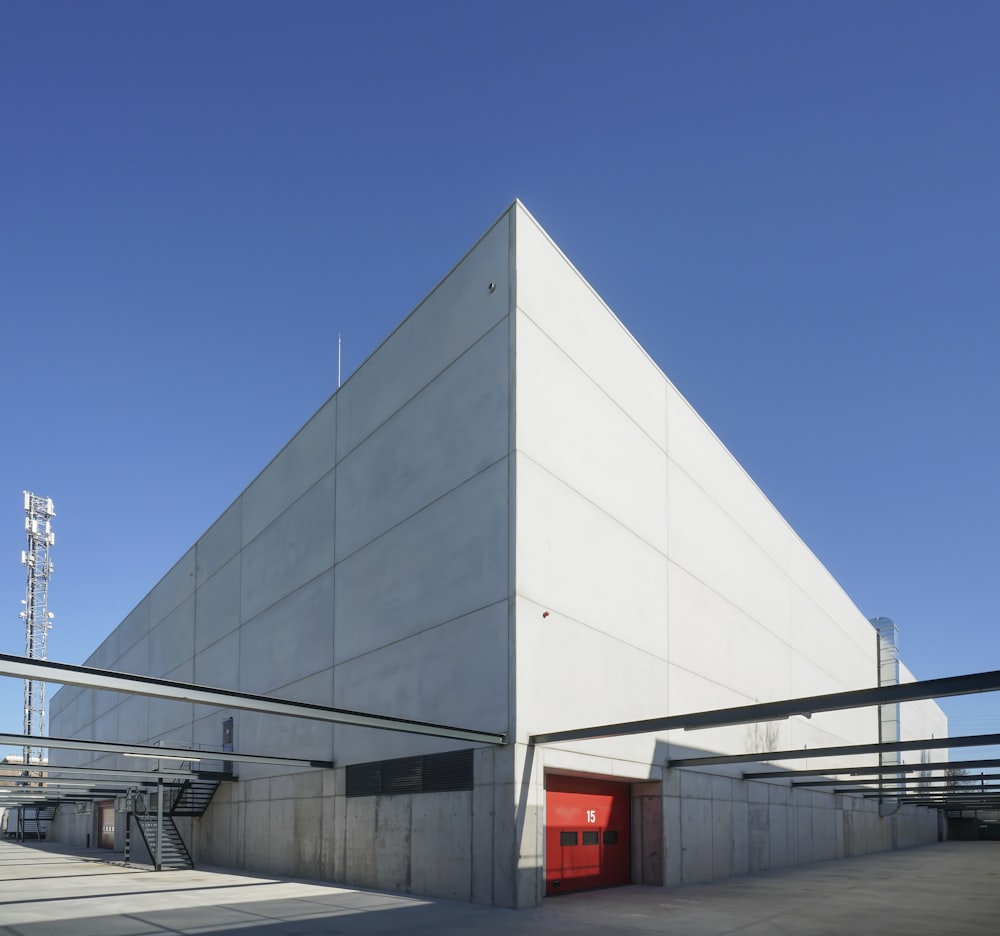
x=106, y=824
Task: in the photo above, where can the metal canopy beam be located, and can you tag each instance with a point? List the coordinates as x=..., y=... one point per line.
x=865, y=771
x=100, y=786
x=892, y=780
x=901, y=783
x=154, y=752
x=774, y=711
x=92, y=678
x=954, y=793
x=45, y=772
x=984, y=740
x=990, y=802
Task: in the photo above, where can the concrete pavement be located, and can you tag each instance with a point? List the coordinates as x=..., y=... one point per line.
x=47, y=889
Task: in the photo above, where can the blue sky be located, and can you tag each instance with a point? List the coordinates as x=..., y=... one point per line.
x=793, y=206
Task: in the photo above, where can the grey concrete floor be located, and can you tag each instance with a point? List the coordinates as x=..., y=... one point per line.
x=954, y=888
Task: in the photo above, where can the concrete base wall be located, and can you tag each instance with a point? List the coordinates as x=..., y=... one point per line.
x=485, y=845
x=304, y=826
x=456, y=845
x=74, y=828
x=715, y=827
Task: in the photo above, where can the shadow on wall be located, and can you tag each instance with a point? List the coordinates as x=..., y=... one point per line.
x=716, y=824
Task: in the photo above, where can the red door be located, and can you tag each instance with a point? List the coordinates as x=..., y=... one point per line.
x=106, y=825
x=586, y=834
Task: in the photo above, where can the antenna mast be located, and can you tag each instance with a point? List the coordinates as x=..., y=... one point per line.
x=37, y=618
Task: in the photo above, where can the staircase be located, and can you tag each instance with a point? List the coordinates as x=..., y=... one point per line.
x=174, y=855
x=36, y=821
x=190, y=798
x=193, y=796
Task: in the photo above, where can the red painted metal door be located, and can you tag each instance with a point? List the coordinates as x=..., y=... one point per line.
x=586, y=834
x=106, y=825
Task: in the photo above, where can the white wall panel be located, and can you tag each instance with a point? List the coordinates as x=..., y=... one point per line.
x=452, y=429
x=170, y=721
x=455, y=673
x=444, y=562
x=220, y=543
x=291, y=639
x=105, y=728
x=711, y=636
x=563, y=305
x=134, y=627
x=815, y=580
x=136, y=659
x=581, y=564
x=452, y=318
x=820, y=638
x=218, y=665
x=568, y=423
x=283, y=736
x=106, y=655
x=695, y=449
x=103, y=701
x=710, y=546
x=295, y=469
x=217, y=605
x=692, y=692
x=207, y=730
x=294, y=549
x=174, y=588
x=171, y=642
x=571, y=675
x=133, y=719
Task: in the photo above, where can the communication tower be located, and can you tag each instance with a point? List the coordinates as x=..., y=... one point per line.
x=39, y=512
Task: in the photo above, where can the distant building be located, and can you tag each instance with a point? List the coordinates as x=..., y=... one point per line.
x=508, y=519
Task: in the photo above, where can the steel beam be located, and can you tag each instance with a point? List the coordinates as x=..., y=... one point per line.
x=71, y=675
x=47, y=772
x=154, y=752
x=897, y=783
x=844, y=750
x=869, y=780
x=949, y=793
x=988, y=802
x=867, y=771
x=775, y=711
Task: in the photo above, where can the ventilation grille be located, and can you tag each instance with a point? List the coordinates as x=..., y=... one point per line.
x=427, y=773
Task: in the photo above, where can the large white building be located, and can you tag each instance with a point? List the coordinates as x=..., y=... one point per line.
x=506, y=519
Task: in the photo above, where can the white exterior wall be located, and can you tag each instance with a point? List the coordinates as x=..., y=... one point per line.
x=918, y=720
x=653, y=578
x=367, y=567
x=667, y=573
x=501, y=455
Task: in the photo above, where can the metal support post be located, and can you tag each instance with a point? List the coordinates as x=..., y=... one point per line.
x=158, y=857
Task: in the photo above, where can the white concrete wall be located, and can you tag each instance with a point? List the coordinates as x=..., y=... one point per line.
x=452, y=845
x=654, y=578
x=717, y=826
x=672, y=584
x=372, y=566
x=920, y=720
x=366, y=567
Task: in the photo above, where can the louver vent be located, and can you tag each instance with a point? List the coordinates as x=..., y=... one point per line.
x=429, y=773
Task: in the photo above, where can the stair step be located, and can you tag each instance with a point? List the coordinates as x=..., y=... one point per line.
x=173, y=852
